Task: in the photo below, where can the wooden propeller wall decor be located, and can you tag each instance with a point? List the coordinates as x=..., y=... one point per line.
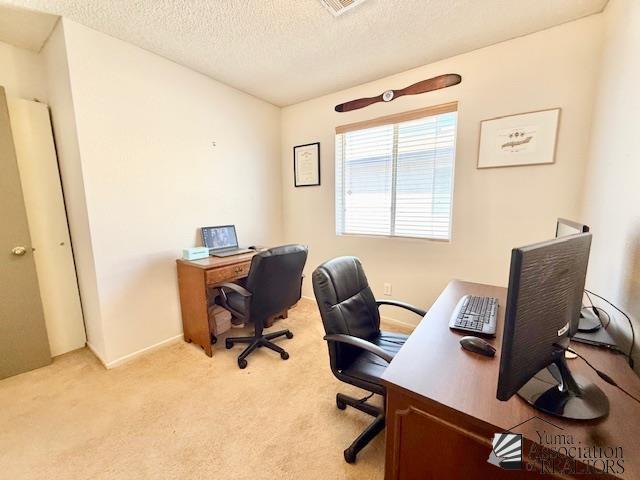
x=435, y=83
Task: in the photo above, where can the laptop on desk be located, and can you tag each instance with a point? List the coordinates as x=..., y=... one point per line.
x=222, y=241
x=599, y=338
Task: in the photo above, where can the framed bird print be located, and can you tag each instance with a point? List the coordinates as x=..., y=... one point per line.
x=306, y=165
x=516, y=140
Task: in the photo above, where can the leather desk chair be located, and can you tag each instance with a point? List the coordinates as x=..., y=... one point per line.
x=273, y=285
x=359, y=351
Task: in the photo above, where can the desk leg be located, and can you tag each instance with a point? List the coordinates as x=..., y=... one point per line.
x=270, y=321
x=193, y=304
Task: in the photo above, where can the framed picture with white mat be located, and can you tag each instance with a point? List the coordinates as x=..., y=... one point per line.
x=517, y=140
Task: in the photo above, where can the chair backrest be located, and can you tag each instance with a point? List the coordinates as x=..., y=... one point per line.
x=346, y=304
x=275, y=280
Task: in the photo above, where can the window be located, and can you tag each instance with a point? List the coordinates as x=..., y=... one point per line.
x=394, y=175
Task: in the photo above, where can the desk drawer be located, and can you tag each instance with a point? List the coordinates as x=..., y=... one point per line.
x=231, y=272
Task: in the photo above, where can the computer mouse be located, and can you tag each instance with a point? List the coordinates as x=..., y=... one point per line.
x=478, y=345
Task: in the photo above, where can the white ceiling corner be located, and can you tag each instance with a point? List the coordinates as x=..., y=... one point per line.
x=25, y=28
x=286, y=51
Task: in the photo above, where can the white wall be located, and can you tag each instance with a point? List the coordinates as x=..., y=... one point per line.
x=493, y=210
x=60, y=100
x=151, y=177
x=22, y=73
x=612, y=195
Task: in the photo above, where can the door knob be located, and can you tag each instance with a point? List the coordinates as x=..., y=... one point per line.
x=19, y=251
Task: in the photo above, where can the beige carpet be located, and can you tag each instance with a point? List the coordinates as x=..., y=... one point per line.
x=176, y=413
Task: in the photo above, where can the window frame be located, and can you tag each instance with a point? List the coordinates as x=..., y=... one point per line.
x=395, y=119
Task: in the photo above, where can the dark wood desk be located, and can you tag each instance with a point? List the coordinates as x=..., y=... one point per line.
x=194, y=278
x=442, y=410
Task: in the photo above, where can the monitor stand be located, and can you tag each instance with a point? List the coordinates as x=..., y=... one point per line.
x=589, y=321
x=556, y=391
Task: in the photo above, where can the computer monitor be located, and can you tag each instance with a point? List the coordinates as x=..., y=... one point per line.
x=583, y=323
x=546, y=282
x=220, y=237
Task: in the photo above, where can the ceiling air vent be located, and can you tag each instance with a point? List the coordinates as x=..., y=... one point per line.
x=338, y=7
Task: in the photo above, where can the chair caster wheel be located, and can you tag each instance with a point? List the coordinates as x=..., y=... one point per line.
x=350, y=456
x=228, y=344
x=242, y=363
x=284, y=355
x=289, y=335
x=214, y=339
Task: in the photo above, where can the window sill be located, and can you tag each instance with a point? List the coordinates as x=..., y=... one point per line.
x=394, y=237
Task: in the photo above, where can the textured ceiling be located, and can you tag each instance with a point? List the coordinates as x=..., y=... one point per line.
x=285, y=51
x=25, y=29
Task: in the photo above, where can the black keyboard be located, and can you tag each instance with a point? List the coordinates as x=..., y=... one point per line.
x=475, y=314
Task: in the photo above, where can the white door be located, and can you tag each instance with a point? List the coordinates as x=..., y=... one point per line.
x=42, y=191
x=23, y=335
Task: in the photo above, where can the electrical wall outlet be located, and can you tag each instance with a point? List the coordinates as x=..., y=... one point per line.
x=387, y=289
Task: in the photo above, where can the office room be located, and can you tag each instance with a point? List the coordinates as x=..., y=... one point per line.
x=344, y=239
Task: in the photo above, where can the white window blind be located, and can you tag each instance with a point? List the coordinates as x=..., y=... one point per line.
x=396, y=179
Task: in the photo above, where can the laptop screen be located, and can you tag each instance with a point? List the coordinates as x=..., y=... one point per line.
x=220, y=237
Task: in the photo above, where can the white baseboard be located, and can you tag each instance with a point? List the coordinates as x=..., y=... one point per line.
x=98, y=356
x=127, y=358
x=132, y=356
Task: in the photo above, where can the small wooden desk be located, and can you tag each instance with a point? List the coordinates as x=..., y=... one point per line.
x=442, y=410
x=194, y=277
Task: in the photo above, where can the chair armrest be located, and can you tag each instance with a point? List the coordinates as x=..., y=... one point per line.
x=406, y=306
x=235, y=287
x=360, y=343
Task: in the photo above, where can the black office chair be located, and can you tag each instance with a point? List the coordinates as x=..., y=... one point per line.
x=274, y=284
x=358, y=351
